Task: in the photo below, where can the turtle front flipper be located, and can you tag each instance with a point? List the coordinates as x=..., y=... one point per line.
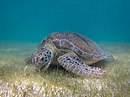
x=71, y=62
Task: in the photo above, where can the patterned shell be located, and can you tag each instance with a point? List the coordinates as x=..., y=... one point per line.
x=82, y=46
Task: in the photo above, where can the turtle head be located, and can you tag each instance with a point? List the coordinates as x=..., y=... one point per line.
x=42, y=58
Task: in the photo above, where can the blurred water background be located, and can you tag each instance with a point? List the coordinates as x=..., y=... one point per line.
x=32, y=20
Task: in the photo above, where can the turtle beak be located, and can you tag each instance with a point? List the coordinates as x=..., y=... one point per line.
x=43, y=67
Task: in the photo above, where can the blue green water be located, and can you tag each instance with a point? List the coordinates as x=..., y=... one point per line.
x=32, y=20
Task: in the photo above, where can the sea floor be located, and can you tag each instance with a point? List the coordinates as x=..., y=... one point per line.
x=18, y=79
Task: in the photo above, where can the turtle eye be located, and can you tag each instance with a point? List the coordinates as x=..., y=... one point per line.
x=42, y=58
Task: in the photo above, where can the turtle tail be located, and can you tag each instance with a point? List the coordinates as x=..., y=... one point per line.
x=108, y=58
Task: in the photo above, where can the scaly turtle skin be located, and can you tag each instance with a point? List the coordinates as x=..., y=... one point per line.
x=72, y=51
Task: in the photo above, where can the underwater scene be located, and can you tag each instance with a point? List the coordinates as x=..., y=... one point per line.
x=64, y=48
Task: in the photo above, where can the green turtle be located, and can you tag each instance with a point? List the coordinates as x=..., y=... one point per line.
x=72, y=51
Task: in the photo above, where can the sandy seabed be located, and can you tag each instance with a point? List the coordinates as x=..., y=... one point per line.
x=18, y=79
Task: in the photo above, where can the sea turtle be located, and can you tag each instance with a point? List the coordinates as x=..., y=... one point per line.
x=72, y=51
